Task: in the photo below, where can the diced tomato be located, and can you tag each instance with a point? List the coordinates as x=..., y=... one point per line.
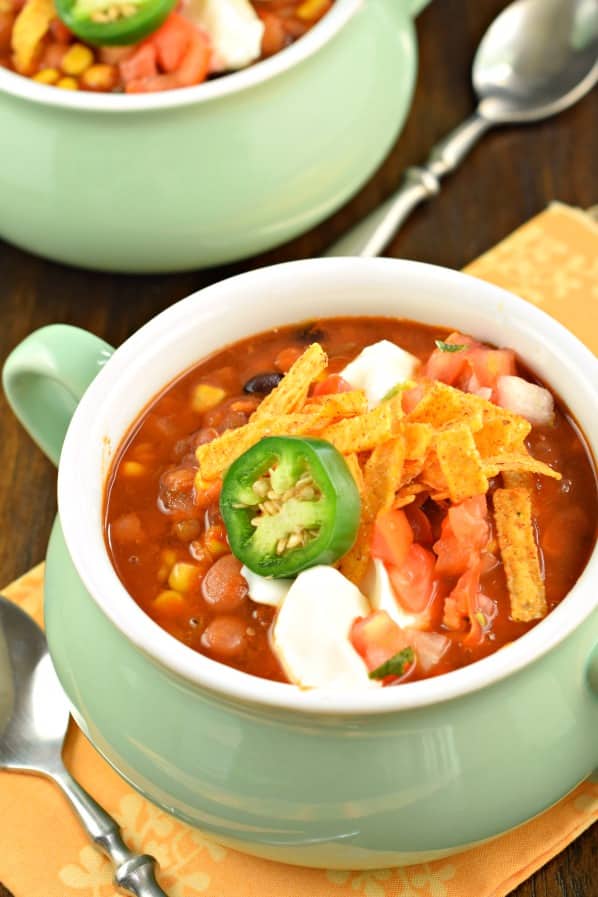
x=392, y=537
x=141, y=65
x=420, y=524
x=468, y=607
x=469, y=521
x=377, y=638
x=490, y=364
x=331, y=385
x=463, y=535
x=413, y=581
x=448, y=366
x=171, y=40
x=183, y=52
x=459, y=606
x=475, y=369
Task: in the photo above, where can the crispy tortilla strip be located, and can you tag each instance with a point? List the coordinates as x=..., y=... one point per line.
x=356, y=471
x=291, y=392
x=432, y=474
x=381, y=477
x=401, y=501
x=472, y=417
x=407, y=494
x=363, y=433
x=460, y=463
x=518, y=479
x=215, y=457
x=418, y=438
x=496, y=429
x=30, y=27
x=443, y=405
x=519, y=462
x=342, y=404
x=411, y=471
x=515, y=530
x=502, y=431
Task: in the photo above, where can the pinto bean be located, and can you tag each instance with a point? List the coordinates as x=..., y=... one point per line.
x=176, y=490
x=223, y=587
x=225, y=637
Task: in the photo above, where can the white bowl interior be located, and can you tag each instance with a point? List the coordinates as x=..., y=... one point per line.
x=260, y=300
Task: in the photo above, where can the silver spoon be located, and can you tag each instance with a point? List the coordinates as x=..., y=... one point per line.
x=536, y=59
x=34, y=715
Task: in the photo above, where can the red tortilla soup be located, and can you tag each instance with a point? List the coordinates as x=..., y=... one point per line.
x=352, y=502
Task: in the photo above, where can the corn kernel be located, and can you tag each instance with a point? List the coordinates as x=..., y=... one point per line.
x=311, y=9
x=169, y=600
x=132, y=469
x=67, y=84
x=169, y=556
x=47, y=76
x=205, y=397
x=100, y=77
x=183, y=577
x=76, y=59
x=214, y=543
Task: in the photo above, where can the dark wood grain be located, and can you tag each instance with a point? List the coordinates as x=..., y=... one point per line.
x=509, y=177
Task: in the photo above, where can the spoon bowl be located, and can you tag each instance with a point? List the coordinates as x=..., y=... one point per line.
x=34, y=712
x=537, y=58
x=34, y=715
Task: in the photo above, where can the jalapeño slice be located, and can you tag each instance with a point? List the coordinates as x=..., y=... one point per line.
x=289, y=503
x=107, y=23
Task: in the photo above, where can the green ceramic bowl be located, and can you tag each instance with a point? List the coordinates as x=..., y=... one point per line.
x=346, y=780
x=208, y=174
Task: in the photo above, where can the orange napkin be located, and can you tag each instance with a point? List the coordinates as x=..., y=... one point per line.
x=551, y=261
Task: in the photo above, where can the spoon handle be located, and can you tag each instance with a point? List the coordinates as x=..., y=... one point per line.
x=133, y=872
x=370, y=237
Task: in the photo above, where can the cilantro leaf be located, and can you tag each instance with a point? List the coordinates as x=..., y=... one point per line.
x=448, y=347
x=392, y=392
x=394, y=666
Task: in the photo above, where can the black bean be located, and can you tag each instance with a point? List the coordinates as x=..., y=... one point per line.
x=262, y=384
x=310, y=334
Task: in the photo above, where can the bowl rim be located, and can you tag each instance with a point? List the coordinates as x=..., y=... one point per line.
x=103, y=584
x=310, y=43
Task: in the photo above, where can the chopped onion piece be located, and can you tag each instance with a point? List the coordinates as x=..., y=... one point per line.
x=529, y=400
x=429, y=647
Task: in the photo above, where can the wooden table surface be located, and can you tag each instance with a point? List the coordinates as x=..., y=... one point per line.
x=509, y=177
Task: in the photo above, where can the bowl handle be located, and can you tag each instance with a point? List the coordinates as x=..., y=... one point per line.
x=416, y=6
x=46, y=375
